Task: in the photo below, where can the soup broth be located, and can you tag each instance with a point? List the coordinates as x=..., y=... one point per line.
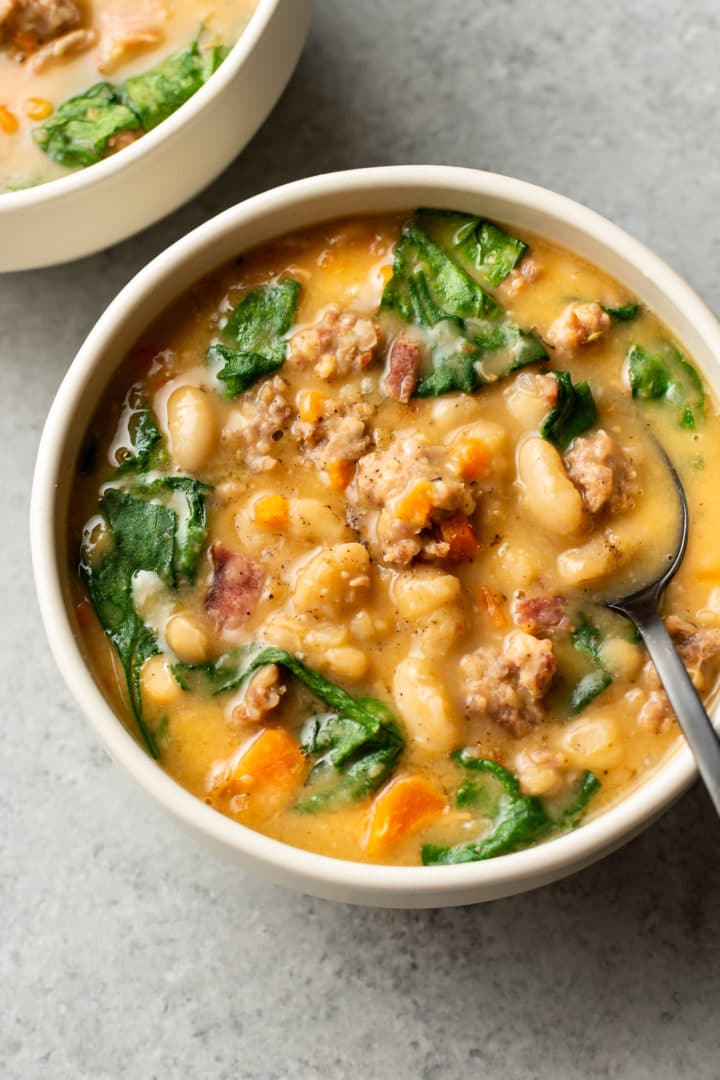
x=53, y=52
x=341, y=518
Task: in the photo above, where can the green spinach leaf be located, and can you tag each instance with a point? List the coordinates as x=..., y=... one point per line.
x=142, y=539
x=587, y=638
x=255, y=332
x=145, y=450
x=156, y=94
x=146, y=535
x=478, y=244
x=574, y=412
x=190, y=518
x=472, y=342
x=353, y=747
x=517, y=820
x=664, y=374
x=625, y=313
x=78, y=132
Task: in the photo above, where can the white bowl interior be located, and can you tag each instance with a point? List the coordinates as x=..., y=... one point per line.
x=141, y=301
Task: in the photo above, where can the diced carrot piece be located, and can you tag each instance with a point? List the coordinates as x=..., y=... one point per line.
x=272, y=511
x=400, y=808
x=415, y=506
x=494, y=607
x=310, y=405
x=8, y=120
x=457, y=531
x=340, y=473
x=272, y=760
x=37, y=108
x=473, y=458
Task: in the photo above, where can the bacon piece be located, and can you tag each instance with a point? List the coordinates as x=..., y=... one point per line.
x=541, y=614
x=457, y=532
x=235, y=588
x=403, y=366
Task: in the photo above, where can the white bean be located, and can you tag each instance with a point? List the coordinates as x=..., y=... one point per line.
x=548, y=493
x=345, y=663
x=451, y=410
x=192, y=427
x=424, y=705
x=595, y=559
x=333, y=577
x=187, y=639
x=419, y=592
x=592, y=743
x=314, y=522
x=622, y=658
x=525, y=401
x=157, y=682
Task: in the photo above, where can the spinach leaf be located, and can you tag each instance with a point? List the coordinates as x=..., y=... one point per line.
x=145, y=438
x=481, y=245
x=353, y=747
x=78, y=132
x=665, y=374
x=142, y=539
x=472, y=342
x=587, y=786
x=625, y=313
x=574, y=412
x=517, y=819
x=255, y=330
x=191, y=518
x=587, y=638
x=145, y=535
x=349, y=762
x=156, y=94
x=588, y=688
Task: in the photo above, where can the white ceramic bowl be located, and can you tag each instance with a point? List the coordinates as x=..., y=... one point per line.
x=303, y=203
x=95, y=207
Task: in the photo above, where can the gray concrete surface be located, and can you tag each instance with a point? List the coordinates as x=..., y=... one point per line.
x=127, y=953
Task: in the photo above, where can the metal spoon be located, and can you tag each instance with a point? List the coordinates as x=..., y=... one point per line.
x=642, y=606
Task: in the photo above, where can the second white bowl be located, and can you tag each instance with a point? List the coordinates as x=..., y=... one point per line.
x=93, y=208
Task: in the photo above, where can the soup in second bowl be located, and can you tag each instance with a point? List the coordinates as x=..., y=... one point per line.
x=82, y=79
x=340, y=520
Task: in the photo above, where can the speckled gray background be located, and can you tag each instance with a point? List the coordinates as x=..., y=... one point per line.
x=126, y=952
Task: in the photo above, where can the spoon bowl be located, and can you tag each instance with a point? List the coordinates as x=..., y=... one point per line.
x=642, y=606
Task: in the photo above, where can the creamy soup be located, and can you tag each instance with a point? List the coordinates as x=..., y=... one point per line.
x=82, y=79
x=342, y=519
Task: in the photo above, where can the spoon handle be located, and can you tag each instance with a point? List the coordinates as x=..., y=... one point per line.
x=689, y=709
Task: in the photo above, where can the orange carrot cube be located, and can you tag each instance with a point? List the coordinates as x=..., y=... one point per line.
x=271, y=511
x=400, y=808
x=340, y=473
x=272, y=760
x=310, y=405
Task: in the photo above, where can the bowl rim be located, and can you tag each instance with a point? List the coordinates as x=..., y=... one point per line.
x=70, y=184
x=513, y=872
